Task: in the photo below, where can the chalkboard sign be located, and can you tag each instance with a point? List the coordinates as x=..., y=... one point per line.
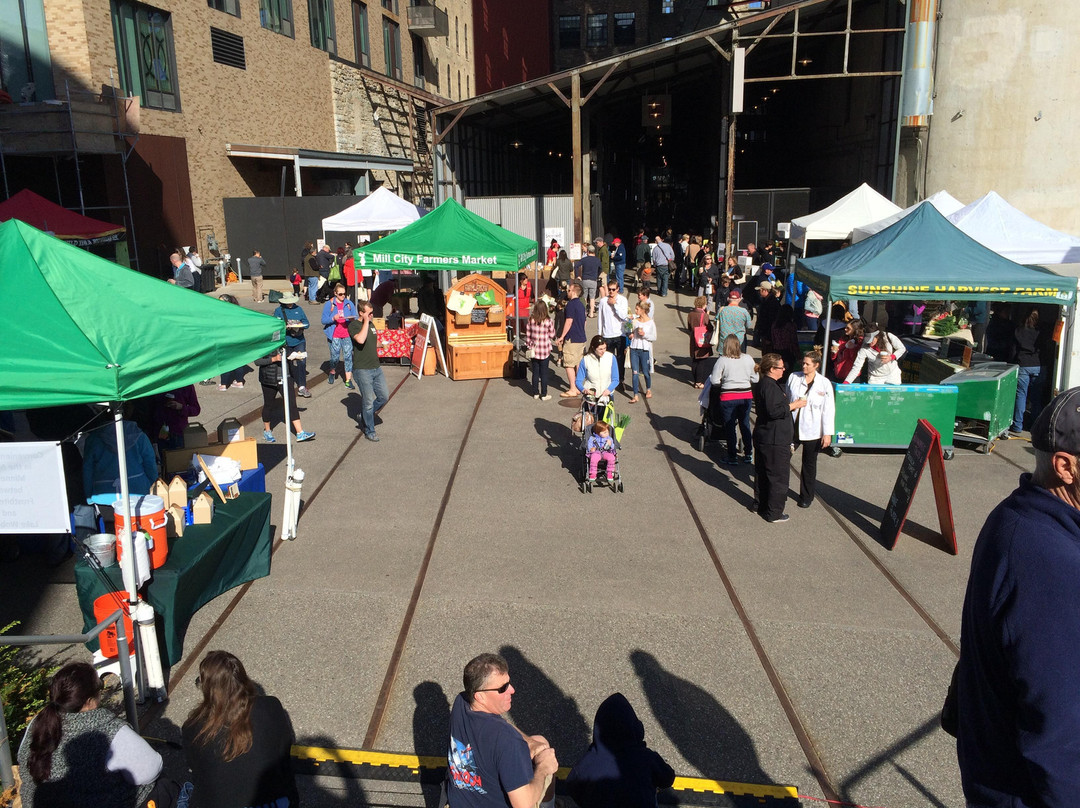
x=427, y=334
x=925, y=446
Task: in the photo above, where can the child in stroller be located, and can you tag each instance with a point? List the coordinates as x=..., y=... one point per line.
x=600, y=447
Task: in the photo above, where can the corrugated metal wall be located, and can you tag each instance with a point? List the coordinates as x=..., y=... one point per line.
x=526, y=215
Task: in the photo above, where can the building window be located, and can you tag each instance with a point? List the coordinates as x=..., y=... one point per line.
x=392, y=48
x=321, y=22
x=667, y=6
x=596, y=31
x=570, y=31
x=466, y=40
x=276, y=16
x=145, y=54
x=360, y=33
x=227, y=48
x=625, y=30
x=418, y=60
x=228, y=6
x=390, y=5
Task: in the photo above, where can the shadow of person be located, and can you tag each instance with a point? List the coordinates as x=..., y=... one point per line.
x=561, y=442
x=326, y=784
x=706, y=735
x=431, y=719
x=540, y=707
x=734, y=481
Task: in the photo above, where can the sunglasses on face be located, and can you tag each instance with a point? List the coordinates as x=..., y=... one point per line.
x=501, y=689
x=339, y=294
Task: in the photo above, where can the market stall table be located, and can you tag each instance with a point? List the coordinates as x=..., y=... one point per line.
x=396, y=343
x=205, y=562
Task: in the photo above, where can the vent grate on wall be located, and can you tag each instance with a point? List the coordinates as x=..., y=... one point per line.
x=228, y=48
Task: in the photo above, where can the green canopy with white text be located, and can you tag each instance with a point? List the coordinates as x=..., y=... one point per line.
x=449, y=238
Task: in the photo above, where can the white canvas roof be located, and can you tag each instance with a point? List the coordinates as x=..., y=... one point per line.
x=861, y=207
x=996, y=224
x=943, y=201
x=378, y=212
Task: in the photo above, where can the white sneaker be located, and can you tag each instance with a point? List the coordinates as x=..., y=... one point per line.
x=545, y=398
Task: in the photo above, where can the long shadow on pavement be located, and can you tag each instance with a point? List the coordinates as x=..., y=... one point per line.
x=332, y=790
x=431, y=719
x=541, y=708
x=705, y=733
x=561, y=442
x=887, y=757
x=867, y=517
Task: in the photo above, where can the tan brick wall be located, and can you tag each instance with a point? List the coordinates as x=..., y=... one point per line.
x=290, y=95
x=283, y=98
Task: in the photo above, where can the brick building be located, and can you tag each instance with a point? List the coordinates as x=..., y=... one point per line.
x=224, y=99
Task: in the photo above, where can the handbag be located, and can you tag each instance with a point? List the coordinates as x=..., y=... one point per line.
x=530, y=353
x=699, y=335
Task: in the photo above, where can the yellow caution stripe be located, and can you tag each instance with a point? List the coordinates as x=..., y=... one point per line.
x=414, y=763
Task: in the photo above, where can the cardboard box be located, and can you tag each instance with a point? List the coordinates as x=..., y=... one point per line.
x=160, y=488
x=230, y=430
x=202, y=509
x=244, y=451
x=195, y=436
x=174, y=527
x=177, y=493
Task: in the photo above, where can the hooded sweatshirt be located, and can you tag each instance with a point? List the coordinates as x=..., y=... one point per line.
x=618, y=770
x=101, y=461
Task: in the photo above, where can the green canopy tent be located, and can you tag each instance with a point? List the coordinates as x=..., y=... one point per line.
x=451, y=238
x=925, y=257
x=85, y=330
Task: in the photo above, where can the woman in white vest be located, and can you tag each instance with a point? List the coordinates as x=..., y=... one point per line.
x=814, y=423
x=597, y=373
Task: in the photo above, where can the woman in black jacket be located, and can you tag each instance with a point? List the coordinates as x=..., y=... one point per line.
x=774, y=432
x=270, y=380
x=237, y=742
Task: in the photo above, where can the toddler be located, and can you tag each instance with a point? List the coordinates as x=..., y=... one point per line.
x=601, y=446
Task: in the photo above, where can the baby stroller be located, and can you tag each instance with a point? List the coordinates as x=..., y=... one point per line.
x=712, y=422
x=582, y=426
x=711, y=429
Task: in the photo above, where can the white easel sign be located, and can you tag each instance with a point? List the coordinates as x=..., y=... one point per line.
x=427, y=334
x=33, y=492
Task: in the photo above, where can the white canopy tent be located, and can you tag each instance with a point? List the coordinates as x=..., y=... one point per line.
x=943, y=201
x=996, y=224
x=378, y=212
x=861, y=207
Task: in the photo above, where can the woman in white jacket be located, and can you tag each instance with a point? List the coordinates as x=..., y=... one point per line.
x=814, y=423
x=881, y=351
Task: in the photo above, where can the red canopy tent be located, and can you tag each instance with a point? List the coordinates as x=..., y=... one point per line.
x=66, y=225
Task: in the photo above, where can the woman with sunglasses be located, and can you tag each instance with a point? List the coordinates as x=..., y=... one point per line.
x=336, y=315
x=237, y=742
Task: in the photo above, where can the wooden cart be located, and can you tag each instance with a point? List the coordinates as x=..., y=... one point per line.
x=476, y=343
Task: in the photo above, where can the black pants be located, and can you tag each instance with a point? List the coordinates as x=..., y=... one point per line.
x=702, y=368
x=808, y=471
x=772, y=473
x=539, y=375
x=270, y=394
x=617, y=345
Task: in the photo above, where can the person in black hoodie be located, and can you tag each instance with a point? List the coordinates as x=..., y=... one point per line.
x=1027, y=353
x=618, y=770
x=774, y=432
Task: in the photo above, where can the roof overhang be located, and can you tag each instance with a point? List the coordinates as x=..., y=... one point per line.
x=309, y=158
x=660, y=65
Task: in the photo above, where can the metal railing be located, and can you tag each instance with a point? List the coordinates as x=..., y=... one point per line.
x=7, y=775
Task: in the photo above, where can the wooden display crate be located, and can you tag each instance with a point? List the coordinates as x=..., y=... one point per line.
x=483, y=361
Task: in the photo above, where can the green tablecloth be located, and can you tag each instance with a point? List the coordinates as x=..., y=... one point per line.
x=205, y=562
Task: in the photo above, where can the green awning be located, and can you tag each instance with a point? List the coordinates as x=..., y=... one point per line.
x=450, y=238
x=82, y=329
x=925, y=257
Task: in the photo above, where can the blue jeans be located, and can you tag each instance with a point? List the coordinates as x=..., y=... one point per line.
x=1028, y=383
x=374, y=393
x=312, y=288
x=736, y=414
x=639, y=366
x=620, y=271
x=341, y=349
x=662, y=274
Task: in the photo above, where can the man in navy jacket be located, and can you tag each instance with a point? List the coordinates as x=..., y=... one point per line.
x=1018, y=682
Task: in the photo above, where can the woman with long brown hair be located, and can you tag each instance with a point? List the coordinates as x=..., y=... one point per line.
x=539, y=334
x=237, y=742
x=1027, y=353
x=76, y=753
